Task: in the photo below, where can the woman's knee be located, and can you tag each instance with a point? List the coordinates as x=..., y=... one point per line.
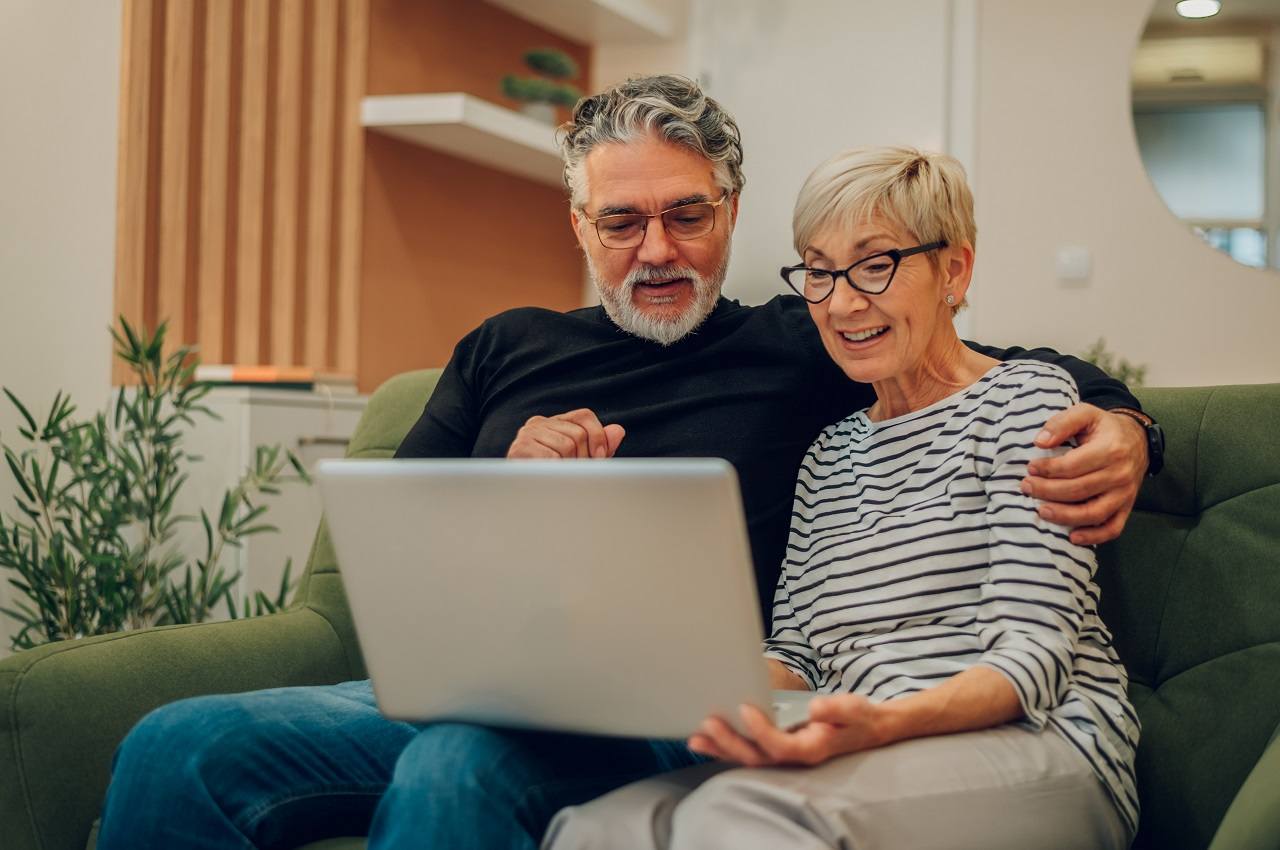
x=739, y=809
x=634, y=817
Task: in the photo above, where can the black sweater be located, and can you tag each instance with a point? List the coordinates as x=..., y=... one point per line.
x=752, y=385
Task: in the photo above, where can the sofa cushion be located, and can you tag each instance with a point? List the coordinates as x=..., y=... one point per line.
x=1191, y=592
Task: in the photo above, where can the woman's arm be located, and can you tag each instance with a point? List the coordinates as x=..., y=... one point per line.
x=783, y=678
x=978, y=698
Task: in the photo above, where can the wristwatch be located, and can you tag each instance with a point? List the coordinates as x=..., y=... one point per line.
x=1155, y=438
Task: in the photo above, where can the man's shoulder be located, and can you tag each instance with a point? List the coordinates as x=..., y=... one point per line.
x=788, y=310
x=527, y=325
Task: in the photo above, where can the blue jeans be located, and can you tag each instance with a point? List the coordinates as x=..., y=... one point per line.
x=278, y=768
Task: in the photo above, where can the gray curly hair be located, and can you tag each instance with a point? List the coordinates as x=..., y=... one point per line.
x=670, y=107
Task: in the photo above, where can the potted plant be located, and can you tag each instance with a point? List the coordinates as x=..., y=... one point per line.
x=91, y=551
x=541, y=94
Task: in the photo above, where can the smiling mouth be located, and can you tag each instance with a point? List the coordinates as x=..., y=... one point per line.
x=864, y=336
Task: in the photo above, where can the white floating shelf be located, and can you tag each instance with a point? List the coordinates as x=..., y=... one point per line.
x=468, y=127
x=596, y=21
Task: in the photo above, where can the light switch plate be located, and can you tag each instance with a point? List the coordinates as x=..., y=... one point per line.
x=1075, y=265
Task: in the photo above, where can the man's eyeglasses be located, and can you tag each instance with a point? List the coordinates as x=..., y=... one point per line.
x=871, y=275
x=685, y=222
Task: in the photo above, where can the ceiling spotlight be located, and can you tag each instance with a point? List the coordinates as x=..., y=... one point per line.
x=1198, y=8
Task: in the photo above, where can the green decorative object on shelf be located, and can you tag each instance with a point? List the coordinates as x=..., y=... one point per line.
x=554, y=67
x=93, y=550
x=1131, y=374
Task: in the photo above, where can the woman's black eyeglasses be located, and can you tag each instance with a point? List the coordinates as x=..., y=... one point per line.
x=871, y=275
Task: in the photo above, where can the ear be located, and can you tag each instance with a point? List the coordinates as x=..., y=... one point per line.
x=957, y=270
x=733, y=210
x=575, y=223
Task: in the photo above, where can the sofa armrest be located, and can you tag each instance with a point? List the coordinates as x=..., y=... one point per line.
x=64, y=707
x=1252, y=821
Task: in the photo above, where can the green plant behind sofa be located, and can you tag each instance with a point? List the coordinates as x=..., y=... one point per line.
x=92, y=550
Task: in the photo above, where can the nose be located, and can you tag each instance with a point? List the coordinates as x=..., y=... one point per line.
x=657, y=248
x=845, y=300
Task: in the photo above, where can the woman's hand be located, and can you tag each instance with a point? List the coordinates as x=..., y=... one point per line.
x=837, y=725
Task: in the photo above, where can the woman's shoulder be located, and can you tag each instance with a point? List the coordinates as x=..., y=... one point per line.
x=1029, y=381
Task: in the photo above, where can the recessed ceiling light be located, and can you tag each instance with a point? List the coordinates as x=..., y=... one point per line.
x=1198, y=8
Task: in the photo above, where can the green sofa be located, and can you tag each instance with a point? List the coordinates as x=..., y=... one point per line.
x=1191, y=591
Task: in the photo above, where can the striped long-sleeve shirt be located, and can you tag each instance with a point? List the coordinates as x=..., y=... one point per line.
x=913, y=556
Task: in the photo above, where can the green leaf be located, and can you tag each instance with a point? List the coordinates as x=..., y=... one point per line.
x=18, y=473
x=26, y=415
x=299, y=468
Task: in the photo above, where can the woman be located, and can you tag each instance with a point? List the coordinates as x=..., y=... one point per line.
x=974, y=696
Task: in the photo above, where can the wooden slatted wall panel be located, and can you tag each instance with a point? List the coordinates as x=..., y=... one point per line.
x=240, y=165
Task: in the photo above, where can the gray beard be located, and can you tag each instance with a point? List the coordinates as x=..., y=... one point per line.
x=618, y=304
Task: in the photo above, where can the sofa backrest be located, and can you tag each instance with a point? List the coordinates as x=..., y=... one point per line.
x=1191, y=592
x=391, y=412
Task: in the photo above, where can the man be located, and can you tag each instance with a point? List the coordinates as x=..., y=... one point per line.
x=664, y=368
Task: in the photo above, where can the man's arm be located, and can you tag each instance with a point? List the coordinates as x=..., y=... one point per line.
x=450, y=422
x=1091, y=488
x=1096, y=386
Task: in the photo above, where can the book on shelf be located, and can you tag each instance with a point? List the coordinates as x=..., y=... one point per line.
x=276, y=378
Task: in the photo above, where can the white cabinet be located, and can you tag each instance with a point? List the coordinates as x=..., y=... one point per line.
x=313, y=425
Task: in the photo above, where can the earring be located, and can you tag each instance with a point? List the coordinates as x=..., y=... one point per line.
x=951, y=299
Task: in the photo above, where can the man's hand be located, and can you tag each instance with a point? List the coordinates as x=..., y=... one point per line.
x=837, y=725
x=1091, y=488
x=577, y=433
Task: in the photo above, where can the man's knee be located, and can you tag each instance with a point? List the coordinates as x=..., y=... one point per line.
x=446, y=756
x=185, y=737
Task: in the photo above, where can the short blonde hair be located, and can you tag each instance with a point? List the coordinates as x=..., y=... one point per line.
x=924, y=193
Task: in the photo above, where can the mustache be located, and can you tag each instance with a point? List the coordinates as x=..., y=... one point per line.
x=645, y=274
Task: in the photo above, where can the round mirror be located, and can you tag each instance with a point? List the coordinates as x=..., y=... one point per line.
x=1206, y=111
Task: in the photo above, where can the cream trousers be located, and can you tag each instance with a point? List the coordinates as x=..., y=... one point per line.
x=1006, y=788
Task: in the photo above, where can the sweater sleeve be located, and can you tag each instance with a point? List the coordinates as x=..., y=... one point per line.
x=787, y=643
x=450, y=422
x=1095, y=386
x=1033, y=599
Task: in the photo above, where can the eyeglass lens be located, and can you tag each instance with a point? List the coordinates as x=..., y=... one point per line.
x=683, y=223
x=872, y=276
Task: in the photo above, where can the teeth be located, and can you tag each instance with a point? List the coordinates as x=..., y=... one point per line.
x=861, y=335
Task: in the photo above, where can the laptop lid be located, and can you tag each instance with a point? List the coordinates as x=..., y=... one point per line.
x=609, y=597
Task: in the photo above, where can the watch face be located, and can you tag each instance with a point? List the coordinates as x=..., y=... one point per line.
x=1155, y=448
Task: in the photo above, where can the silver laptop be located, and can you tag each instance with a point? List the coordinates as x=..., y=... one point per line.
x=607, y=597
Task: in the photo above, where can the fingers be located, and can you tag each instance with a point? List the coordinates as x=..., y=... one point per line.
x=726, y=744
x=1079, y=489
x=1093, y=511
x=810, y=744
x=576, y=434
x=587, y=430
x=1105, y=532
x=614, y=434
x=704, y=745
x=1068, y=423
x=842, y=708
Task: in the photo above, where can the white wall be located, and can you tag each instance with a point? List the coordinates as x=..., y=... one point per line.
x=805, y=80
x=59, y=84
x=1058, y=165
